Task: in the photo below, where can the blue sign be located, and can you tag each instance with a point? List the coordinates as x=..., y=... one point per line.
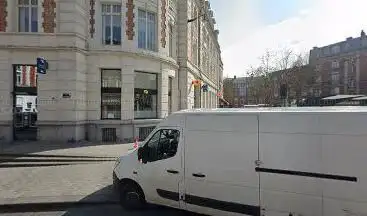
x=205, y=87
x=42, y=65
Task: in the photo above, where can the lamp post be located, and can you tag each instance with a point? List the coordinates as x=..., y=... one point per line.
x=202, y=13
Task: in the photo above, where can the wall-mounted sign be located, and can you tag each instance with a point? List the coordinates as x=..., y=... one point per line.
x=66, y=95
x=42, y=65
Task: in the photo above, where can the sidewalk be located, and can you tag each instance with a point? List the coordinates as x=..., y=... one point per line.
x=85, y=148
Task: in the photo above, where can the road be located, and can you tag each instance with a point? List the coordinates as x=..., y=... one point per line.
x=50, y=182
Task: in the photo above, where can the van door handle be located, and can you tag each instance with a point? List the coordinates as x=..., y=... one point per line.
x=172, y=171
x=199, y=175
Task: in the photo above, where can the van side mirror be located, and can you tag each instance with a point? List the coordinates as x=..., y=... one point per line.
x=142, y=155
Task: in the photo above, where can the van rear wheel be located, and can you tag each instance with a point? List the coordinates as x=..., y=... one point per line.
x=131, y=197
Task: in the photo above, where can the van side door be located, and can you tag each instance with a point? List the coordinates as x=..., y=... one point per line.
x=162, y=171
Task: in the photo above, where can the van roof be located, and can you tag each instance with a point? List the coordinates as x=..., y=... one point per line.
x=277, y=109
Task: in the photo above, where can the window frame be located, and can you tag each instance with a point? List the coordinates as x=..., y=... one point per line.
x=155, y=91
x=110, y=90
x=29, y=6
x=159, y=130
x=156, y=36
x=111, y=14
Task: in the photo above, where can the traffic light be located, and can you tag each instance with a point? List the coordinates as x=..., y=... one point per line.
x=42, y=65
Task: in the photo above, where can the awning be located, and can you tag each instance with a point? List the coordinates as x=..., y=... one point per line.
x=360, y=98
x=338, y=97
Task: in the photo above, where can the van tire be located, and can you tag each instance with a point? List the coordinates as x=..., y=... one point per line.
x=131, y=197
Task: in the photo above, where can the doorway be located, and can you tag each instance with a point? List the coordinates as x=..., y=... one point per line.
x=25, y=103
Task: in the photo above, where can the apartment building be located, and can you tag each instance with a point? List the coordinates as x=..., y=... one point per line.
x=115, y=68
x=341, y=67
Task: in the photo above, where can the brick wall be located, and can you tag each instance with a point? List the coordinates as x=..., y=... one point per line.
x=3, y=15
x=130, y=19
x=163, y=23
x=49, y=16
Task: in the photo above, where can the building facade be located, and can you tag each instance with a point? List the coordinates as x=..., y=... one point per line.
x=235, y=91
x=199, y=55
x=113, y=68
x=341, y=67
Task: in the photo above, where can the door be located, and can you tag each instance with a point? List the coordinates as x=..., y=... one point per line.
x=161, y=175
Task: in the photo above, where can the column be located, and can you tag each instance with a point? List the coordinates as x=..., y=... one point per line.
x=163, y=93
x=127, y=92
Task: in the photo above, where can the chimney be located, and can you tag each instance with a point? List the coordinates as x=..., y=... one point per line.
x=363, y=34
x=234, y=77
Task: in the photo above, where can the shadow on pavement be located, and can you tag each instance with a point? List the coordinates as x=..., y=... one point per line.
x=101, y=202
x=108, y=205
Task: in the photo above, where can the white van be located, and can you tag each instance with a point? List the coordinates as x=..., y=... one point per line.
x=260, y=161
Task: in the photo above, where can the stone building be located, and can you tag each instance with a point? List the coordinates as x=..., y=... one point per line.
x=341, y=67
x=115, y=68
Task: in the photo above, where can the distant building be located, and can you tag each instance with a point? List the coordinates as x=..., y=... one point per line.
x=342, y=67
x=235, y=91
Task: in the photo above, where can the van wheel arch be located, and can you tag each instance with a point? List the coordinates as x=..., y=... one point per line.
x=131, y=184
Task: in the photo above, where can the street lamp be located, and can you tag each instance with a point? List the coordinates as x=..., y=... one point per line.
x=202, y=13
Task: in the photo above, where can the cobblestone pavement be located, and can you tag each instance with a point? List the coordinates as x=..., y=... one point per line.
x=75, y=183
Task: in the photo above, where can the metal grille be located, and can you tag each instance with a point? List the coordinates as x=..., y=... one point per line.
x=109, y=135
x=144, y=132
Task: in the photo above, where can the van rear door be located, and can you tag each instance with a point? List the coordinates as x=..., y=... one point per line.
x=220, y=155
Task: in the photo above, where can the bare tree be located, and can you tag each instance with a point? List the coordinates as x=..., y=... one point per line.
x=276, y=69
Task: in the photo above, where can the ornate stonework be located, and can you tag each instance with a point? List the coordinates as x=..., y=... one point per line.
x=130, y=19
x=49, y=16
x=92, y=21
x=3, y=15
x=163, y=22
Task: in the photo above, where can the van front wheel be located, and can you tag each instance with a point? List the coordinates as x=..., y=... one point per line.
x=131, y=197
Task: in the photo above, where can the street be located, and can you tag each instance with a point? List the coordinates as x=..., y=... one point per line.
x=62, y=181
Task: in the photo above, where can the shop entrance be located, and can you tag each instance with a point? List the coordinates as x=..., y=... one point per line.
x=25, y=102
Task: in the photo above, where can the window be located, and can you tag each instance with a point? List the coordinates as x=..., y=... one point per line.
x=110, y=94
x=335, y=49
x=335, y=78
x=147, y=30
x=145, y=95
x=162, y=145
x=335, y=64
x=351, y=83
x=28, y=15
x=111, y=24
x=170, y=80
x=335, y=91
x=170, y=43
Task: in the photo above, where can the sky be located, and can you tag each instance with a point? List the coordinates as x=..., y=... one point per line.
x=247, y=28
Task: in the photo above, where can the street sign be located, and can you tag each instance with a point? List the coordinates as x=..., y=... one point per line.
x=42, y=65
